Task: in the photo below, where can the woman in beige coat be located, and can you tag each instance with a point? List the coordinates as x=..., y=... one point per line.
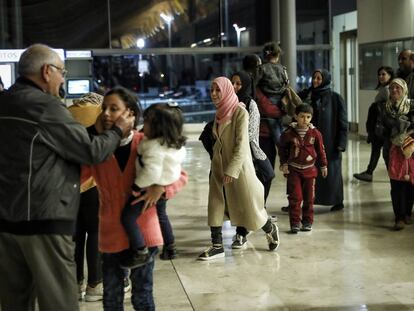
x=235, y=192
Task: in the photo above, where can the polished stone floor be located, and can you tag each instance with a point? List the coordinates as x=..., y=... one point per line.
x=350, y=261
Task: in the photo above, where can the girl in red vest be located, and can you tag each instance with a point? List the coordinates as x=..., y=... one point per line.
x=114, y=179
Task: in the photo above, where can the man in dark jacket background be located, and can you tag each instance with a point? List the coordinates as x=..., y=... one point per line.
x=42, y=149
x=406, y=70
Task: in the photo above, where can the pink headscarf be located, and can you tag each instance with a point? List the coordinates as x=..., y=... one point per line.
x=229, y=101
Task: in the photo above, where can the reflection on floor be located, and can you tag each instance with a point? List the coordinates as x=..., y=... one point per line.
x=350, y=261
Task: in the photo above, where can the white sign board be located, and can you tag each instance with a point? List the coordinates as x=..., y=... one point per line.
x=13, y=56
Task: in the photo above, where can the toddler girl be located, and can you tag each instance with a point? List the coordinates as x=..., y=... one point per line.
x=160, y=155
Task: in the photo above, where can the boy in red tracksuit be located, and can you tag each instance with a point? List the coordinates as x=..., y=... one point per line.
x=299, y=147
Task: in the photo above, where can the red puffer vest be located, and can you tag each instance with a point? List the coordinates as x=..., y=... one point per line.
x=400, y=168
x=114, y=190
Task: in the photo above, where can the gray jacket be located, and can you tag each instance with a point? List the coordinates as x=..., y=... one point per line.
x=42, y=149
x=272, y=79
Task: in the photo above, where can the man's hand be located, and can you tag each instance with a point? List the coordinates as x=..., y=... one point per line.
x=324, y=171
x=125, y=122
x=150, y=197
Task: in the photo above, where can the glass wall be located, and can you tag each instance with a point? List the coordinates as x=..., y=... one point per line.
x=187, y=80
x=307, y=63
x=312, y=19
x=374, y=55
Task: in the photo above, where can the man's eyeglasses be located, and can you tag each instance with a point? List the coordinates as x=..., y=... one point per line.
x=63, y=71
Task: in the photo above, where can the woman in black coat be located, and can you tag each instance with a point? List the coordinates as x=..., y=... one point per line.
x=373, y=124
x=330, y=117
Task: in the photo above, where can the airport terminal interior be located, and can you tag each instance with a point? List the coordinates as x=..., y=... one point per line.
x=350, y=261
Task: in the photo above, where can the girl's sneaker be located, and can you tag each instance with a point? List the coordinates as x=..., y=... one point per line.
x=239, y=242
x=135, y=258
x=168, y=252
x=213, y=252
x=273, y=238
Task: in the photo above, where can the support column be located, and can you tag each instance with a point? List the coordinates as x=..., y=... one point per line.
x=3, y=24
x=18, y=35
x=288, y=38
x=275, y=20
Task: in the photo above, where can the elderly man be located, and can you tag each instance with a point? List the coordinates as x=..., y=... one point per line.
x=43, y=148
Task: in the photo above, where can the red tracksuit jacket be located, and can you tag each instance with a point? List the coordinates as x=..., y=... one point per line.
x=301, y=154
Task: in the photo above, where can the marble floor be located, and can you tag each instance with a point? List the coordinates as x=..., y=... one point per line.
x=350, y=261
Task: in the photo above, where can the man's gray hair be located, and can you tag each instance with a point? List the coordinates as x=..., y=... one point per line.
x=35, y=56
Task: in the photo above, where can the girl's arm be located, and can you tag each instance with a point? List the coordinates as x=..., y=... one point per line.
x=154, y=192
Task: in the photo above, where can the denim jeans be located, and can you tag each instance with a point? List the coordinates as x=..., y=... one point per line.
x=129, y=219
x=166, y=229
x=141, y=280
x=275, y=125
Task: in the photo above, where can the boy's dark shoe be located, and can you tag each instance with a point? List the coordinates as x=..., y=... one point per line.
x=168, y=252
x=135, y=258
x=306, y=227
x=285, y=209
x=364, y=176
x=273, y=238
x=399, y=225
x=337, y=207
x=295, y=228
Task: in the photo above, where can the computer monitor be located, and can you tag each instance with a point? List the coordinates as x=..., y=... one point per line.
x=76, y=87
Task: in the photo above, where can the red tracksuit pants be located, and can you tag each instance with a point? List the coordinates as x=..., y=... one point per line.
x=300, y=188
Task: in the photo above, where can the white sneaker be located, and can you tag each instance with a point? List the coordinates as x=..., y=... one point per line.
x=81, y=290
x=94, y=293
x=127, y=285
x=127, y=288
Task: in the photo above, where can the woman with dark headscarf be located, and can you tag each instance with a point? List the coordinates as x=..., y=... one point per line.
x=242, y=84
x=330, y=118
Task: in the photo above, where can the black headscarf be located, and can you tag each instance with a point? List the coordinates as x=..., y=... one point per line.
x=245, y=94
x=325, y=85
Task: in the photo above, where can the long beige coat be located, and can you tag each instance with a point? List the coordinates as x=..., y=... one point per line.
x=241, y=201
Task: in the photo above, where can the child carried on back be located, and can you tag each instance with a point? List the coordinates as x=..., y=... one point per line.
x=159, y=160
x=273, y=83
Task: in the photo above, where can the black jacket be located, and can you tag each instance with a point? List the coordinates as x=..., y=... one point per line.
x=374, y=126
x=42, y=149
